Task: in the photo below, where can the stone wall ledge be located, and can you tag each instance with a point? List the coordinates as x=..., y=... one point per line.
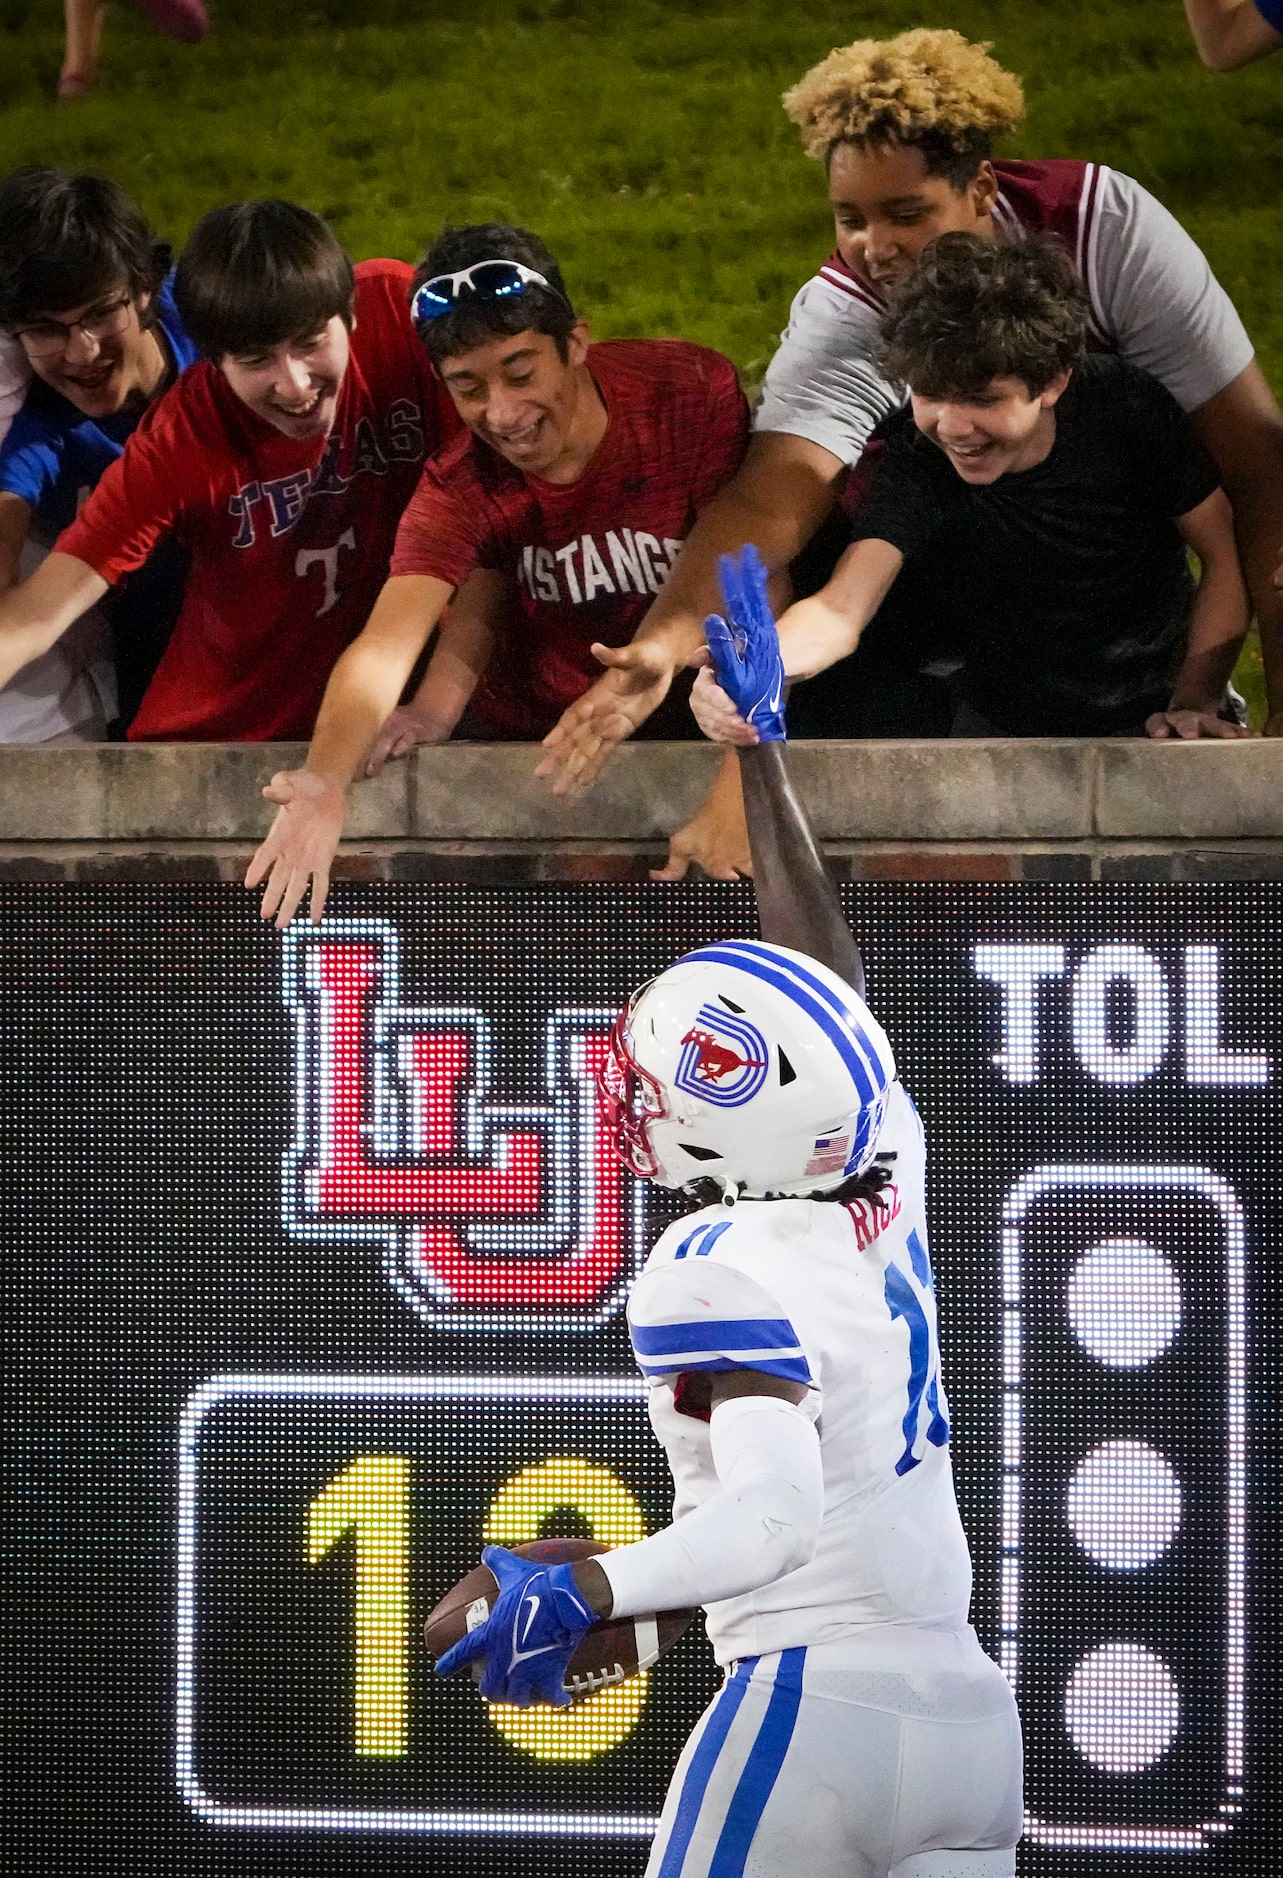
x=1042, y=791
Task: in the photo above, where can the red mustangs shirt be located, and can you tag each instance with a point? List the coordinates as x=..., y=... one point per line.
x=289, y=541
x=586, y=558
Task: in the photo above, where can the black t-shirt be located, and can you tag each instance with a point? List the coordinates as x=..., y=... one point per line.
x=1068, y=583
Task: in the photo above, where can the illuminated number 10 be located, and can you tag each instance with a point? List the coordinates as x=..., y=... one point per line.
x=372, y=1498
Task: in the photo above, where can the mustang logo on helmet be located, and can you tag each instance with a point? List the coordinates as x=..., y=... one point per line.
x=712, y=1065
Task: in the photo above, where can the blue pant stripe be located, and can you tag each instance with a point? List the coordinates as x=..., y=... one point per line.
x=703, y=1761
x=761, y=1770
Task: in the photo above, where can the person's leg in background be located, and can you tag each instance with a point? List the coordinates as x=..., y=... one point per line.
x=186, y=20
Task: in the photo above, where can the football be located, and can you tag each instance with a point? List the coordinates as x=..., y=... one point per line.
x=611, y=1652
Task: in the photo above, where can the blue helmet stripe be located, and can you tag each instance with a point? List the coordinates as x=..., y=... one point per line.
x=749, y=949
x=841, y=1034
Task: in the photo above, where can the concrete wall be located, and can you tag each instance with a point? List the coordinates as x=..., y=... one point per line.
x=929, y=810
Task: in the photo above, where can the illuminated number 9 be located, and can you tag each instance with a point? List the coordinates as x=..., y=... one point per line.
x=614, y=1517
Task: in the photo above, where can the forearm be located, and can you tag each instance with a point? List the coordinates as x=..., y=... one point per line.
x=15, y=520
x=780, y=495
x=456, y=668
x=444, y=695
x=814, y=634
x=35, y=614
x=364, y=688
x=1243, y=428
x=1217, y=627
x=797, y=902
x=762, y=1522
x=367, y=682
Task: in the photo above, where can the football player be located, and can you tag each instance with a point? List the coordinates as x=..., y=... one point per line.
x=787, y=1331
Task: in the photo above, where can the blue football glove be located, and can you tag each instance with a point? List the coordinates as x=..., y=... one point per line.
x=745, y=647
x=530, y=1635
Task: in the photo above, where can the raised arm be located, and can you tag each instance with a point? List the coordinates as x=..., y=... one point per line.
x=1230, y=33
x=778, y=497
x=797, y=902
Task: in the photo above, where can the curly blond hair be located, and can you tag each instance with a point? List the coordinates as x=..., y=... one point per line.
x=922, y=85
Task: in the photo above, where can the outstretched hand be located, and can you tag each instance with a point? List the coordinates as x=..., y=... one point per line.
x=532, y=1632
x=745, y=647
x=300, y=844
x=587, y=733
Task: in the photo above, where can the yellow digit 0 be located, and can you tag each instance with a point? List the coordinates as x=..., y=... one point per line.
x=615, y=1518
x=372, y=1498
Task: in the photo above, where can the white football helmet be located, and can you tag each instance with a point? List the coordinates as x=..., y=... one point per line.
x=750, y=1064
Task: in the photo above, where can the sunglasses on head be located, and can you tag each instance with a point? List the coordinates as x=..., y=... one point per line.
x=492, y=280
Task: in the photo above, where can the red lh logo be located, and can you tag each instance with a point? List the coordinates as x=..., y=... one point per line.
x=494, y=1216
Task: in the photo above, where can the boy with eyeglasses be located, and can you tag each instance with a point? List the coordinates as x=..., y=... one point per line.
x=567, y=497
x=86, y=301
x=281, y=462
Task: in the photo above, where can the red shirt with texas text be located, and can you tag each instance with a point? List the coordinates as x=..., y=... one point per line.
x=586, y=558
x=289, y=541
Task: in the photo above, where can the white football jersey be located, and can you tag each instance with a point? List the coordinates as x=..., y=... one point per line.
x=841, y=1298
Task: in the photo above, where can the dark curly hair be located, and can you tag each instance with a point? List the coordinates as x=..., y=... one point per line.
x=973, y=310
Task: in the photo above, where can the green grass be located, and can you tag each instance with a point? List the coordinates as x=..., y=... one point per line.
x=644, y=141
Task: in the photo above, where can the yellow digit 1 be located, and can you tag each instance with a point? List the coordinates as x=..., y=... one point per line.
x=614, y=1517
x=372, y=1498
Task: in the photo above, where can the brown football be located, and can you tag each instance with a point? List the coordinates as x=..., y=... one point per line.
x=611, y=1652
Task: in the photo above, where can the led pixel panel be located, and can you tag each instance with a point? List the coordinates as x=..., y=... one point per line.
x=315, y=1265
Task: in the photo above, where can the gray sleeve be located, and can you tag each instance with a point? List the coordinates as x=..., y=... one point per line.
x=823, y=384
x=1156, y=297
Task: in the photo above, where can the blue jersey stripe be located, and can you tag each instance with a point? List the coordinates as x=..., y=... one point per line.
x=840, y=1032
x=700, y=1772
x=789, y=1368
x=761, y=1770
x=728, y=1335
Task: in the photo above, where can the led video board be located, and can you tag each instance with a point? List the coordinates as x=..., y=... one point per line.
x=315, y=1260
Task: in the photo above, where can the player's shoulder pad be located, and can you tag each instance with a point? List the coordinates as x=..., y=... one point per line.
x=695, y=1311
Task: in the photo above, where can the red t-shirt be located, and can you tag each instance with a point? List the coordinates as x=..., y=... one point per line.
x=586, y=558
x=289, y=541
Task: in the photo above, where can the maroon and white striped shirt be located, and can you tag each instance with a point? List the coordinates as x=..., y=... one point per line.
x=1153, y=299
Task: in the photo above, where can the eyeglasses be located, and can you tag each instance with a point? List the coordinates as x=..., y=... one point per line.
x=493, y=280
x=43, y=338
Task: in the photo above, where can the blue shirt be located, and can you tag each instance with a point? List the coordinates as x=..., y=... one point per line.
x=54, y=455
x=1271, y=11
